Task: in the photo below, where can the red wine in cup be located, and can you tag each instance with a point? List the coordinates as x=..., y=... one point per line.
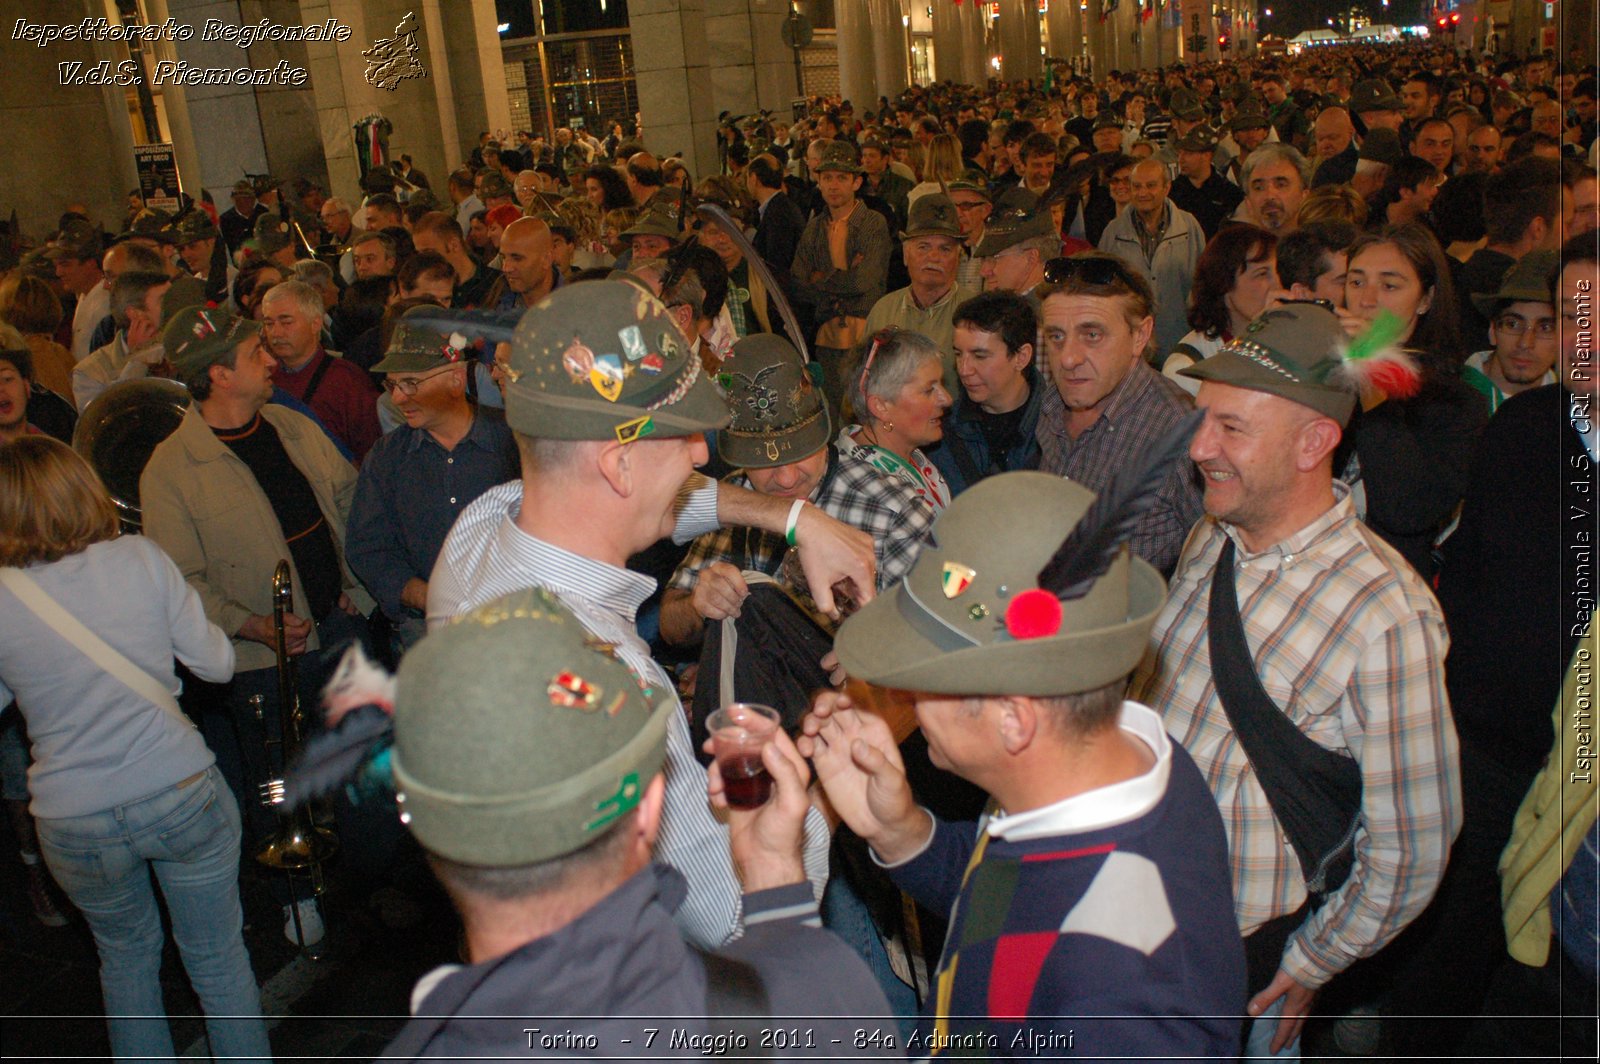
x=746, y=783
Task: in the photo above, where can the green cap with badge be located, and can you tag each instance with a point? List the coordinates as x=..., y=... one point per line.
x=1107, y=120
x=417, y=348
x=1249, y=116
x=604, y=360
x=198, y=337
x=152, y=223
x=1292, y=351
x=971, y=618
x=495, y=184
x=839, y=155
x=271, y=236
x=658, y=219
x=1012, y=228
x=194, y=224
x=78, y=239
x=1185, y=104
x=933, y=214
x=974, y=181
x=1381, y=146
x=1373, y=94
x=519, y=737
x=1527, y=281
x=1201, y=138
x=778, y=413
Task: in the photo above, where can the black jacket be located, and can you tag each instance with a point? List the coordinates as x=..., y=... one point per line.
x=621, y=971
x=1416, y=457
x=1339, y=169
x=778, y=233
x=1515, y=576
x=1211, y=203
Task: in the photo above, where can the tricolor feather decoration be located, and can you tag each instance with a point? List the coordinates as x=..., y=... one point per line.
x=354, y=751
x=1375, y=361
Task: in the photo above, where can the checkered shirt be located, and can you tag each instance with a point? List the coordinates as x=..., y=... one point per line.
x=898, y=520
x=1137, y=412
x=1350, y=643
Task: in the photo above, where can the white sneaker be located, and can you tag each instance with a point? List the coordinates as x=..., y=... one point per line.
x=311, y=929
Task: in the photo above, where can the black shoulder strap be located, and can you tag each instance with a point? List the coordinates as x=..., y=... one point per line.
x=736, y=998
x=1314, y=792
x=316, y=378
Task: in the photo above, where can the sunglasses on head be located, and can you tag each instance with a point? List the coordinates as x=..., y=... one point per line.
x=1090, y=269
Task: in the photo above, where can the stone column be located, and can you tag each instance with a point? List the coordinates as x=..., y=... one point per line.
x=1019, y=39
x=1062, y=23
x=1149, y=36
x=1124, y=53
x=857, y=73
x=68, y=142
x=1095, y=30
x=239, y=128
x=891, y=51
x=754, y=69
x=673, y=74
x=975, y=44
x=947, y=43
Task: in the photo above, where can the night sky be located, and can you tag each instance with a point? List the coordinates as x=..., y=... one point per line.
x=1290, y=17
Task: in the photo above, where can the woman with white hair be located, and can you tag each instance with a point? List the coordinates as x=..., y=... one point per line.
x=895, y=391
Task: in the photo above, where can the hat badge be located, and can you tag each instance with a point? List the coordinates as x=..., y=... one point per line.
x=956, y=578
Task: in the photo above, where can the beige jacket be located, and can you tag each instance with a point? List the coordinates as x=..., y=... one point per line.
x=204, y=508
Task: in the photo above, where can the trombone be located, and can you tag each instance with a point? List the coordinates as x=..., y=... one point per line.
x=299, y=847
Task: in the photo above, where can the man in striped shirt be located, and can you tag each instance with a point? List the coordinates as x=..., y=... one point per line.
x=608, y=407
x=1347, y=642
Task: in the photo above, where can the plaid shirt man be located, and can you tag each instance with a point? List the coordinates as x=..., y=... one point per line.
x=1139, y=410
x=1350, y=643
x=738, y=298
x=855, y=493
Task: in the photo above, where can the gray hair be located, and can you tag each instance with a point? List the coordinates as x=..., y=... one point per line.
x=309, y=299
x=882, y=374
x=313, y=272
x=1274, y=151
x=336, y=204
x=129, y=290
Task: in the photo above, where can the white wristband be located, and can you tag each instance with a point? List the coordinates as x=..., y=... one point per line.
x=794, y=520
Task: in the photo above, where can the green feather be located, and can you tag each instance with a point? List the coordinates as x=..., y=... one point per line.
x=1383, y=333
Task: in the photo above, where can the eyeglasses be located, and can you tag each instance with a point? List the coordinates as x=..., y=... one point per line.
x=1512, y=325
x=409, y=385
x=1094, y=270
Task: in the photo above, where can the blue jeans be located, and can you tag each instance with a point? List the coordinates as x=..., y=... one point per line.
x=188, y=836
x=1262, y=1030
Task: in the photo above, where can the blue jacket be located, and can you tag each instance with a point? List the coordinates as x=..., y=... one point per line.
x=963, y=455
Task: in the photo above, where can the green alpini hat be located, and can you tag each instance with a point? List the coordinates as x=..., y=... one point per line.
x=972, y=618
x=417, y=348
x=933, y=214
x=603, y=359
x=778, y=413
x=1299, y=352
x=519, y=737
x=198, y=337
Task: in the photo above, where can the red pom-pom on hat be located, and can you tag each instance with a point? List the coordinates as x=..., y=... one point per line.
x=1033, y=614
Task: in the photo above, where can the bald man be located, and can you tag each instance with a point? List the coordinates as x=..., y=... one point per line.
x=643, y=174
x=526, y=256
x=1335, y=138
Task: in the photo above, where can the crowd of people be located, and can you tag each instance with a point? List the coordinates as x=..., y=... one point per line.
x=1160, y=505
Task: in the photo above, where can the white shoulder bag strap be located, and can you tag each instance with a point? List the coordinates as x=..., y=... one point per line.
x=97, y=650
